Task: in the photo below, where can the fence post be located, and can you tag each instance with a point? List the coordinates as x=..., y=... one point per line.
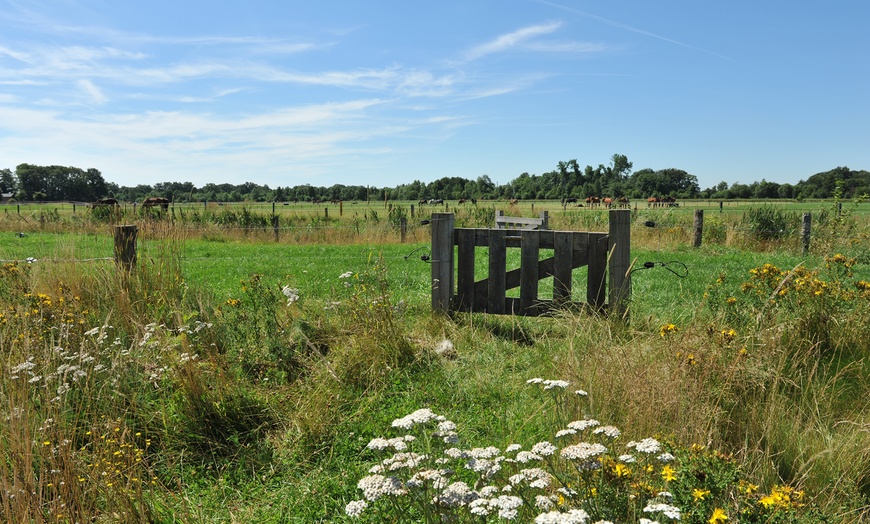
x=125, y=246
x=403, y=227
x=805, y=233
x=326, y=212
x=545, y=219
x=442, y=225
x=275, y=225
x=341, y=208
x=620, y=259
x=698, y=227
x=412, y=210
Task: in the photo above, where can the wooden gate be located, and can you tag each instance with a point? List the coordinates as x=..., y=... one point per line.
x=603, y=253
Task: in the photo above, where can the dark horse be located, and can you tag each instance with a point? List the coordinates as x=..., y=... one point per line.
x=156, y=201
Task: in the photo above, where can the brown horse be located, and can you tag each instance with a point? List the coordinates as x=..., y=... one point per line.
x=156, y=201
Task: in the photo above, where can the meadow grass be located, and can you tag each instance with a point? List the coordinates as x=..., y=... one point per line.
x=229, y=378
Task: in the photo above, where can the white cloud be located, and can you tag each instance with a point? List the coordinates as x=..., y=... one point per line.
x=511, y=40
x=92, y=91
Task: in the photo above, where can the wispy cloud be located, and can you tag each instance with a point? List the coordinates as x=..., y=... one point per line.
x=511, y=40
x=93, y=92
x=627, y=27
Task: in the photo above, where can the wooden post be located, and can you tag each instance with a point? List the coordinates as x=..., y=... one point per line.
x=412, y=210
x=563, y=259
x=720, y=207
x=620, y=260
x=596, y=278
x=403, y=227
x=465, y=269
x=275, y=225
x=125, y=246
x=326, y=212
x=529, y=255
x=341, y=208
x=497, y=279
x=805, y=233
x=545, y=219
x=273, y=208
x=442, y=226
x=698, y=227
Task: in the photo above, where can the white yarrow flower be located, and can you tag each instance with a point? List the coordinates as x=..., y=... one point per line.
x=355, y=508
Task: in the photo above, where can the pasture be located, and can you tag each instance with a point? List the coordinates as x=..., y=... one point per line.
x=233, y=377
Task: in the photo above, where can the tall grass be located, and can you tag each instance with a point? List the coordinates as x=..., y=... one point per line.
x=142, y=398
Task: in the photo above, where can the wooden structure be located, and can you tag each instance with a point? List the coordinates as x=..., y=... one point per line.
x=503, y=222
x=603, y=253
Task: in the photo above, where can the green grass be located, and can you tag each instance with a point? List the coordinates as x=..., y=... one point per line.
x=261, y=411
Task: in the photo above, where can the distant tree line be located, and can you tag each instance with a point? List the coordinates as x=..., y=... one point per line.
x=56, y=183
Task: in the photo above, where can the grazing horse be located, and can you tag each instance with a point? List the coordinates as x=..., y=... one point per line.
x=572, y=200
x=653, y=201
x=156, y=201
x=593, y=201
x=461, y=201
x=623, y=202
x=514, y=201
x=105, y=202
x=608, y=202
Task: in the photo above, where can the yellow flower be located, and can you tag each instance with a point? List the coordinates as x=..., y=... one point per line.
x=667, y=328
x=699, y=494
x=668, y=473
x=621, y=470
x=719, y=515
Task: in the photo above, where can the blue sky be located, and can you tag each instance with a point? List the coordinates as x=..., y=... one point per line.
x=322, y=92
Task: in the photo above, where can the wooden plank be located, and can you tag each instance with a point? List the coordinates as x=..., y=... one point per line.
x=562, y=266
x=596, y=290
x=442, y=225
x=465, y=269
x=495, y=282
x=620, y=260
x=529, y=253
x=502, y=221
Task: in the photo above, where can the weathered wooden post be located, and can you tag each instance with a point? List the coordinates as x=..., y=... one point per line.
x=545, y=219
x=341, y=208
x=720, y=207
x=805, y=233
x=125, y=246
x=698, y=227
x=326, y=213
x=442, y=226
x=620, y=259
x=403, y=227
x=412, y=210
x=275, y=225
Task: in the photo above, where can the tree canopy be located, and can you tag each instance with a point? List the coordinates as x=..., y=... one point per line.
x=567, y=180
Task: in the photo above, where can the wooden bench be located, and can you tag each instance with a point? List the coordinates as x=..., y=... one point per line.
x=503, y=222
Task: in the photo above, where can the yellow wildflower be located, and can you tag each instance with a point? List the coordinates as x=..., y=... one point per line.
x=668, y=473
x=699, y=494
x=719, y=515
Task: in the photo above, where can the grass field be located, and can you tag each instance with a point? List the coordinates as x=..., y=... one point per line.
x=233, y=378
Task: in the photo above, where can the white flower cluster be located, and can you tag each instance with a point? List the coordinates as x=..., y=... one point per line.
x=549, y=384
x=535, y=477
x=672, y=512
x=580, y=425
x=574, y=516
x=583, y=451
x=456, y=494
x=648, y=445
x=421, y=416
x=607, y=431
x=397, y=443
x=377, y=486
x=505, y=506
x=544, y=449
